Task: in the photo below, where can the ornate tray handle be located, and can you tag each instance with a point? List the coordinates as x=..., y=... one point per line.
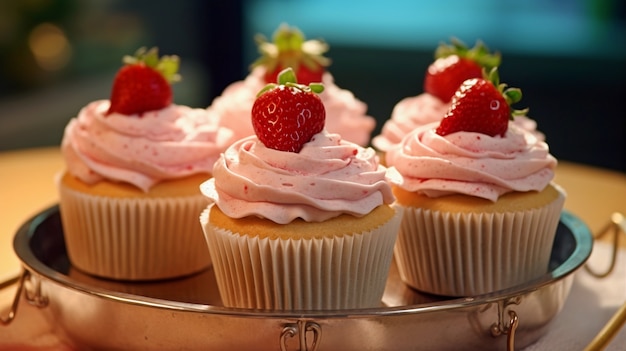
x=504, y=326
x=613, y=326
x=617, y=223
x=31, y=287
x=301, y=329
x=509, y=330
x=6, y=320
x=33, y=293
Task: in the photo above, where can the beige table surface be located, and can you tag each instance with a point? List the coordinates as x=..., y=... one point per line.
x=27, y=187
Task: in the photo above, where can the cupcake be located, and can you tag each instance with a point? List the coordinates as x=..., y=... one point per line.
x=480, y=208
x=129, y=198
x=299, y=219
x=454, y=63
x=348, y=115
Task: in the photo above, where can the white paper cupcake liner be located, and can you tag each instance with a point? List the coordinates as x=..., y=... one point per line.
x=134, y=238
x=467, y=254
x=344, y=272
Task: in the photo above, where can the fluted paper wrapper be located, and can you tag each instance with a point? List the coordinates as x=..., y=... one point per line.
x=467, y=254
x=346, y=271
x=134, y=238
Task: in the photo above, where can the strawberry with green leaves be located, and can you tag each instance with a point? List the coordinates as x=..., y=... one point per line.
x=454, y=64
x=144, y=83
x=290, y=49
x=286, y=115
x=481, y=105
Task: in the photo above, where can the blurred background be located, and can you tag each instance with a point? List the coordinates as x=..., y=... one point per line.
x=568, y=56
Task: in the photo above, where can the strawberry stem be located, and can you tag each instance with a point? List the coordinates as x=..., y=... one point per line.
x=295, y=50
x=287, y=77
x=479, y=53
x=166, y=65
x=288, y=39
x=511, y=95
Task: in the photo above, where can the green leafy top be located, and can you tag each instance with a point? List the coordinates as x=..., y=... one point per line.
x=290, y=49
x=287, y=77
x=479, y=53
x=510, y=94
x=166, y=65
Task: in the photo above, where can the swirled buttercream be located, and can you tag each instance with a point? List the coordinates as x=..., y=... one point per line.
x=345, y=114
x=408, y=114
x=232, y=108
x=471, y=163
x=416, y=111
x=327, y=178
x=170, y=143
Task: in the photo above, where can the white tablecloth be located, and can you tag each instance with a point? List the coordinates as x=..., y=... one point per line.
x=591, y=304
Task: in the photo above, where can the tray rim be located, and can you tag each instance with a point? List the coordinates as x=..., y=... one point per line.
x=580, y=231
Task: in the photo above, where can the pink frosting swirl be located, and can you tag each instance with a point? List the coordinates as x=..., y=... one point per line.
x=530, y=125
x=171, y=143
x=471, y=163
x=416, y=111
x=329, y=177
x=345, y=114
x=408, y=114
x=232, y=108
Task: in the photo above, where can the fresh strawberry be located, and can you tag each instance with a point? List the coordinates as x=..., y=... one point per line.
x=454, y=64
x=289, y=49
x=481, y=105
x=286, y=115
x=143, y=84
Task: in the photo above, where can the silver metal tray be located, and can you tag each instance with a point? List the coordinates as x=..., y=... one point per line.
x=97, y=314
